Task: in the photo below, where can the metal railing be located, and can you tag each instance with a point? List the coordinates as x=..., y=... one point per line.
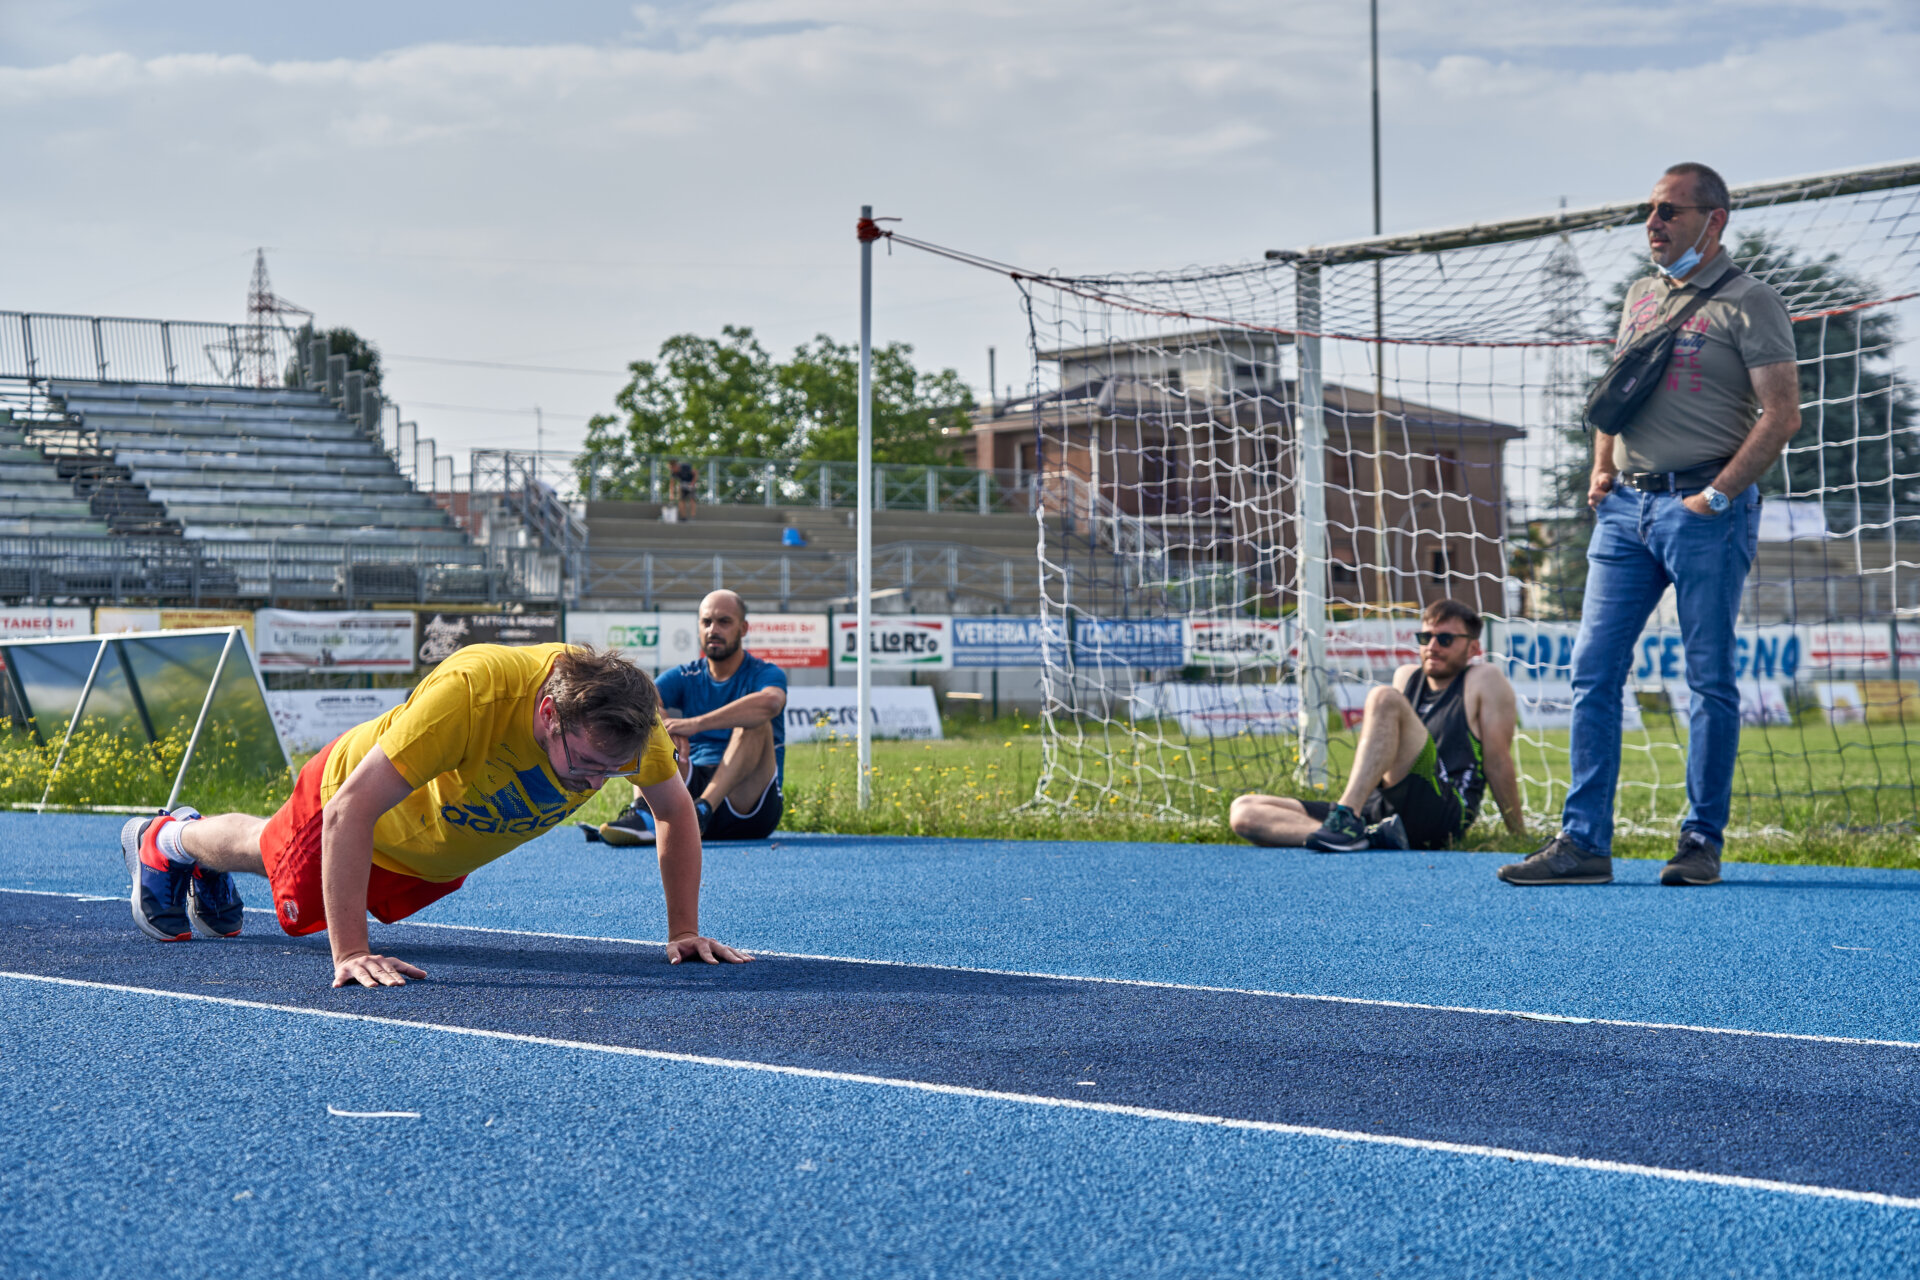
x=38, y=346
x=918, y=571
x=787, y=482
x=44, y=568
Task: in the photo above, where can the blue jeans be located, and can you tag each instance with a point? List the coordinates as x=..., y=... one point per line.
x=1641, y=543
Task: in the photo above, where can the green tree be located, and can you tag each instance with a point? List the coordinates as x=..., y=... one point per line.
x=341, y=341
x=913, y=409
x=725, y=397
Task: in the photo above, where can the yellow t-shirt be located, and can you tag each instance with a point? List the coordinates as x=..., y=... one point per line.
x=482, y=785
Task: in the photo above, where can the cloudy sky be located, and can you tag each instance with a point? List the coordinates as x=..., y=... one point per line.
x=565, y=185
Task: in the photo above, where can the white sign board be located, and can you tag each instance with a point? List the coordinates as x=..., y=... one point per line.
x=1548, y=704
x=1373, y=644
x=788, y=640
x=1221, y=710
x=30, y=623
x=375, y=640
x=900, y=642
x=1235, y=642
x=1761, y=702
x=308, y=719
x=655, y=641
x=817, y=711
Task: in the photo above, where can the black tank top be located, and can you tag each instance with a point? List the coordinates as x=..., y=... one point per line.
x=1444, y=712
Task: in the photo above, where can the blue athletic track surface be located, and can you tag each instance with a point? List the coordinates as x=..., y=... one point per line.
x=972, y=1058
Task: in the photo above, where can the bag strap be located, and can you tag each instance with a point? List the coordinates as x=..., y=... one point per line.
x=1699, y=300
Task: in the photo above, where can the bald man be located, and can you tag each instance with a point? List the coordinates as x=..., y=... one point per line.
x=726, y=713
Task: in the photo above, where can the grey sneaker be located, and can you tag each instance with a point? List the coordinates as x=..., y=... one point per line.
x=1390, y=834
x=1559, y=861
x=1697, y=862
x=1342, y=832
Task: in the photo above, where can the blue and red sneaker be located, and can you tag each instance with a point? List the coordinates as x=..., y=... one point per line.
x=159, y=886
x=213, y=903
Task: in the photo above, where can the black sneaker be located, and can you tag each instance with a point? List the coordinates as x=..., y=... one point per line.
x=1391, y=834
x=159, y=886
x=704, y=812
x=1559, y=861
x=1342, y=832
x=1697, y=862
x=633, y=826
x=214, y=905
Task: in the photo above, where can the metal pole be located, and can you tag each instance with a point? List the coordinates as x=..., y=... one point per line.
x=1310, y=578
x=78, y=710
x=863, y=549
x=1380, y=578
x=206, y=704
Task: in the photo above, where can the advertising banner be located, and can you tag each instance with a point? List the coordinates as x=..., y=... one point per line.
x=1141, y=642
x=29, y=622
x=815, y=711
x=898, y=643
x=998, y=642
x=1548, y=704
x=308, y=719
x=114, y=618
x=1544, y=651
x=443, y=633
x=655, y=641
x=790, y=640
x=1235, y=642
x=1761, y=702
x=340, y=641
x=1372, y=644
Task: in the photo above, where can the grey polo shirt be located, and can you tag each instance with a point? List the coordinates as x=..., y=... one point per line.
x=1706, y=405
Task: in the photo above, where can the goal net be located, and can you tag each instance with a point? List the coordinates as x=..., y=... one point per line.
x=1253, y=478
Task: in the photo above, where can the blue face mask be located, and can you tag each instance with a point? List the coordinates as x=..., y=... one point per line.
x=1686, y=261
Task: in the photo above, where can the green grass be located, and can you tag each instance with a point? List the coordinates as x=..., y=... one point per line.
x=103, y=769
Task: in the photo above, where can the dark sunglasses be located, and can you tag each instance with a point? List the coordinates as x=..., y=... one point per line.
x=1665, y=211
x=1442, y=639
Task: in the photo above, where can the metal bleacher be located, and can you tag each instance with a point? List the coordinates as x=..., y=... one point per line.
x=239, y=464
x=34, y=497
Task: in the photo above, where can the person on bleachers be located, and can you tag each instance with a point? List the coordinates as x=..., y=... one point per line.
x=684, y=479
x=497, y=745
x=726, y=712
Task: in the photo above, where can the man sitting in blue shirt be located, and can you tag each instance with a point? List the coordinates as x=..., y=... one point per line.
x=726, y=713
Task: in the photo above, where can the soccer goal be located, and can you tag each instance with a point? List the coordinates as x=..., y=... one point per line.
x=1252, y=478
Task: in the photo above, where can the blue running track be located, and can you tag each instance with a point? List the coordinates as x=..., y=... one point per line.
x=973, y=1058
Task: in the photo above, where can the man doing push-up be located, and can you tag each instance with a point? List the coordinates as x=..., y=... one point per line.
x=493, y=748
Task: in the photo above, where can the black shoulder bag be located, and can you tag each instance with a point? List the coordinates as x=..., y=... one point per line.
x=1638, y=367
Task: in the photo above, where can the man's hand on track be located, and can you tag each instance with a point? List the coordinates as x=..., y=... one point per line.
x=375, y=971
x=689, y=945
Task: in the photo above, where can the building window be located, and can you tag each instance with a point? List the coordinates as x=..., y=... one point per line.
x=1437, y=565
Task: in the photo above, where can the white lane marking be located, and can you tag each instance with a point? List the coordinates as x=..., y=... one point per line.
x=372, y=1115
x=996, y=1095
x=1530, y=1015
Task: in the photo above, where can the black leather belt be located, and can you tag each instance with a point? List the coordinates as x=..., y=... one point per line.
x=1672, y=481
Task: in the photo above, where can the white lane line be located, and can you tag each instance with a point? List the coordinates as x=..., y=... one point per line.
x=995, y=1095
x=372, y=1115
x=1529, y=1014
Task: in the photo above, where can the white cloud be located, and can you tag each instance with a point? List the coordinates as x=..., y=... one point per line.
x=493, y=201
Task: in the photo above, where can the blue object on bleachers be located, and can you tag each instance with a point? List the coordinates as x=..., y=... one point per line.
x=792, y=537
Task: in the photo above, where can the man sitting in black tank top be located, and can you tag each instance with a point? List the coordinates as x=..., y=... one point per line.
x=1431, y=744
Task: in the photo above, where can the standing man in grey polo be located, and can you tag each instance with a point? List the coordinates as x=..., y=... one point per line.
x=1675, y=504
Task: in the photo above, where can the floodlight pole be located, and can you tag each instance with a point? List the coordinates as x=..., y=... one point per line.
x=79, y=709
x=206, y=704
x=863, y=518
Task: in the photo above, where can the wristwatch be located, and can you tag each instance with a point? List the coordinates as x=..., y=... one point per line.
x=1716, y=500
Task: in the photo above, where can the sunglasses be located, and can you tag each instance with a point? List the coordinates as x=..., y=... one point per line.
x=1439, y=639
x=1665, y=211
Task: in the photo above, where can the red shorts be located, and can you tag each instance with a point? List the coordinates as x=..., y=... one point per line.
x=290, y=846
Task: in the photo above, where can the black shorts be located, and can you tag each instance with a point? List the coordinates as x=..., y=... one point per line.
x=729, y=824
x=1429, y=809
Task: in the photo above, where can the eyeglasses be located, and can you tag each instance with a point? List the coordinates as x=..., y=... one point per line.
x=1438, y=639
x=1665, y=211
x=560, y=731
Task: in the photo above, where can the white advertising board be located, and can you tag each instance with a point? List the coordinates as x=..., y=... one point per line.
x=1761, y=702
x=1221, y=710
x=308, y=719
x=901, y=642
x=31, y=623
x=1548, y=704
x=1373, y=644
x=817, y=711
x=1235, y=642
x=788, y=640
x=375, y=640
x=655, y=641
